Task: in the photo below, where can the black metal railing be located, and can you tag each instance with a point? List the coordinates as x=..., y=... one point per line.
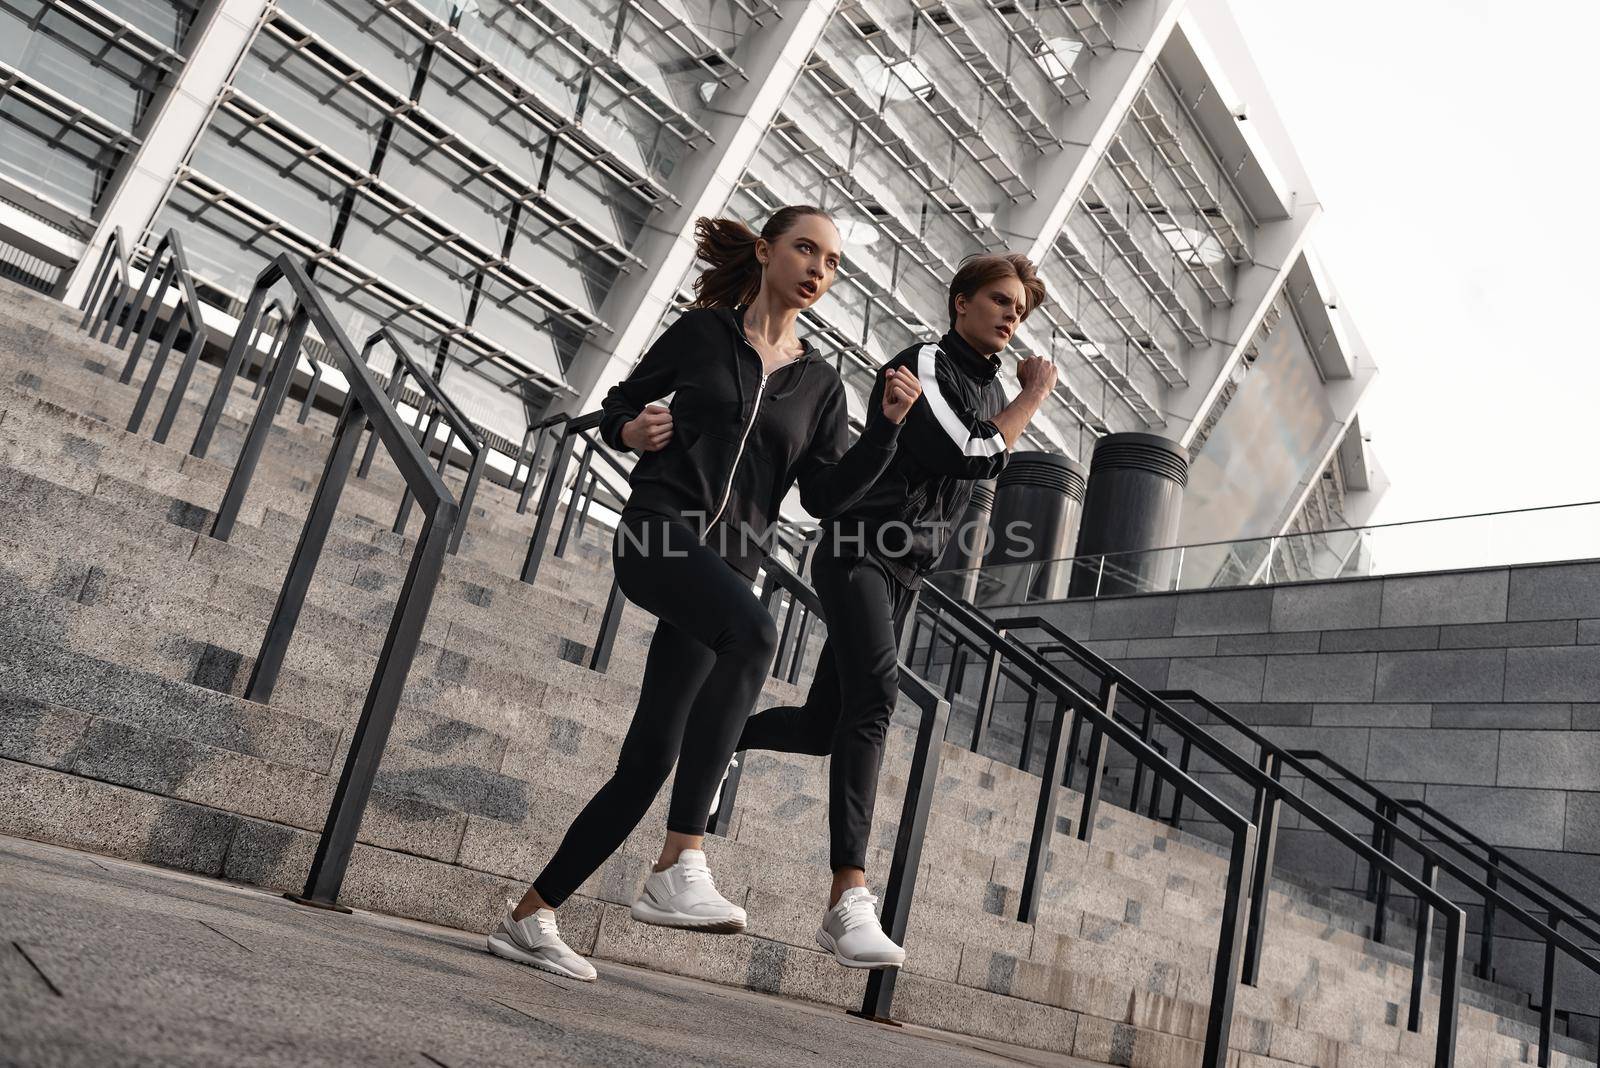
x=433, y=409
x=106, y=284
x=174, y=267
x=365, y=405
x=118, y=303
x=986, y=639
x=1386, y=811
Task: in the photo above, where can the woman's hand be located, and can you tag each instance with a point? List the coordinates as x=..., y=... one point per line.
x=649, y=431
x=900, y=391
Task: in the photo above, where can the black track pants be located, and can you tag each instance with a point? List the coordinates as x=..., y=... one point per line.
x=852, y=696
x=711, y=652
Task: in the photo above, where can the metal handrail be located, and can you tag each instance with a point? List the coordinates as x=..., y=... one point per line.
x=113, y=260
x=554, y=483
x=436, y=406
x=174, y=266
x=280, y=320
x=991, y=640
x=1433, y=864
x=1502, y=862
x=365, y=405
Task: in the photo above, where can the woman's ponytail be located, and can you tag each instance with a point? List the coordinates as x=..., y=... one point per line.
x=729, y=247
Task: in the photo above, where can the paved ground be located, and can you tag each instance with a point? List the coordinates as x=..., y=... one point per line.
x=107, y=963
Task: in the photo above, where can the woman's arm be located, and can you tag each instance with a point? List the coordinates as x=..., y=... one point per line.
x=833, y=474
x=652, y=378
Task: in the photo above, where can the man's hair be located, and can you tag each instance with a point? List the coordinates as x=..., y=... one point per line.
x=979, y=270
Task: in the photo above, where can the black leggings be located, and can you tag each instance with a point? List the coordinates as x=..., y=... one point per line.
x=852, y=696
x=711, y=652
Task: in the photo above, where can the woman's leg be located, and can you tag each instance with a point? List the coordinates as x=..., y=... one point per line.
x=674, y=669
x=713, y=645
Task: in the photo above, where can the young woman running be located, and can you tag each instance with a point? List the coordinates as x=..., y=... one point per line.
x=754, y=410
x=872, y=556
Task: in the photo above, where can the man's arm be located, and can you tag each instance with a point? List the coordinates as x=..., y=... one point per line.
x=947, y=435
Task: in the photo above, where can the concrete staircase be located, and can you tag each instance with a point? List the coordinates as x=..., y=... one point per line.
x=127, y=634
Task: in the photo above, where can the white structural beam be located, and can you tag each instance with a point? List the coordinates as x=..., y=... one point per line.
x=215, y=47
x=1087, y=126
x=1210, y=65
x=774, y=54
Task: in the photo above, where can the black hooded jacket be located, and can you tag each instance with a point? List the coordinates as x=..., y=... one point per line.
x=741, y=438
x=949, y=441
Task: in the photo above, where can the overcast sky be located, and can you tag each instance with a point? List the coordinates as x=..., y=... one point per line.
x=1452, y=145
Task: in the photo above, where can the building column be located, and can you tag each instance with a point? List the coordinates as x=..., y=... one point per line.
x=774, y=56
x=214, y=47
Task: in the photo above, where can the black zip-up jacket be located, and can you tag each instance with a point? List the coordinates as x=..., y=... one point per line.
x=948, y=442
x=740, y=439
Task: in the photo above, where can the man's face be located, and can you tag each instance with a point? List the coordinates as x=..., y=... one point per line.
x=990, y=317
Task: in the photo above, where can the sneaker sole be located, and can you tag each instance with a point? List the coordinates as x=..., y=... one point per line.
x=645, y=913
x=513, y=952
x=826, y=942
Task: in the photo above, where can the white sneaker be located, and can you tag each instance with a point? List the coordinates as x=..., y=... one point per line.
x=851, y=932
x=685, y=896
x=716, y=802
x=534, y=940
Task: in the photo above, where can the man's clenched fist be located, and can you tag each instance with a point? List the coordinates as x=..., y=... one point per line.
x=1037, y=375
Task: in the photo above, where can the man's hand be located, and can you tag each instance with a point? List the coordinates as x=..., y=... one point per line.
x=900, y=391
x=1037, y=375
x=649, y=431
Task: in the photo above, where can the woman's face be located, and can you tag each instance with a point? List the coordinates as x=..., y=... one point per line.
x=801, y=263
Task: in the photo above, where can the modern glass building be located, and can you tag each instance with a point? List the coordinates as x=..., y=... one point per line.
x=512, y=184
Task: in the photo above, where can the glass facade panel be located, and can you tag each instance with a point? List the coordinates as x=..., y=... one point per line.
x=37, y=152
x=366, y=35
x=1268, y=436
x=65, y=57
x=398, y=254
x=311, y=100
x=269, y=176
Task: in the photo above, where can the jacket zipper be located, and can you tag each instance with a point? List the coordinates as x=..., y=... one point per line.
x=732, y=471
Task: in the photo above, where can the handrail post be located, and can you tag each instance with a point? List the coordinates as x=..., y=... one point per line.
x=169, y=268
x=1092, y=782
x=908, y=839
x=1225, y=974
x=610, y=621
x=1030, y=720
x=307, y=551
x=1491, y=876
x=1265, y=816
x=180, y=386
x=1547, y=1004
x=801, y=641
x=338, y=839
x=1175, y=820
x=256, y=437
x=986, y=698
x=468, y=492
x=574, y=503
x=1419, y=953
x=1385, y=845
x=230, y=367
x=548, y=500
x=158, y=363
x=1044, y=819
x=136, y=305
x=1145, y=727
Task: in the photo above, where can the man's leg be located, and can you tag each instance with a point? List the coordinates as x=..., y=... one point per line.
x=806, y=728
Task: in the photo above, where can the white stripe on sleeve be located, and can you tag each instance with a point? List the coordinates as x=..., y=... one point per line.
x=960, y=433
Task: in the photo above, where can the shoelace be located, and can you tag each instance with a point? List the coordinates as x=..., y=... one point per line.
x=697, y=874
x=859, y=910
x=547, y=926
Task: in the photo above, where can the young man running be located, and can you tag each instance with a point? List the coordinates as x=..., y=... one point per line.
x=873, y=555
